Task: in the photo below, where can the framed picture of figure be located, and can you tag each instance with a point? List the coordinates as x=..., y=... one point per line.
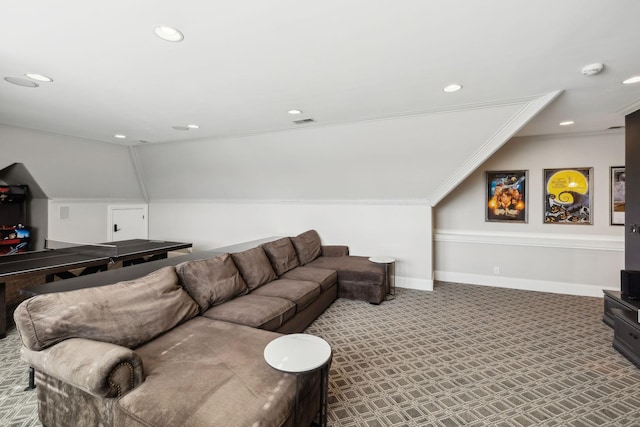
x=617, y=191
x=567, y=196
x=506, y=196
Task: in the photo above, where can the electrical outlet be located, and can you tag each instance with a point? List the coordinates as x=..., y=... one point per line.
x=496, y=269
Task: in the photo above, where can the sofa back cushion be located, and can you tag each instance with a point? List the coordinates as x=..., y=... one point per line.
x=127, y=313
x=254, y=266
x=282, y=255
x=211, y=281
x=307, y=246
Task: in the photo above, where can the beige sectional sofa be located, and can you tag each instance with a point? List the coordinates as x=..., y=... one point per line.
x=184, y=344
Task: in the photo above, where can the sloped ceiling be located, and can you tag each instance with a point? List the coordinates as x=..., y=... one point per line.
x=18, y=173
x=57, y=166
x=369, y=72
x=414, y=159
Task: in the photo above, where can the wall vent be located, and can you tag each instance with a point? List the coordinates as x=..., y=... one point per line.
x=303, y=121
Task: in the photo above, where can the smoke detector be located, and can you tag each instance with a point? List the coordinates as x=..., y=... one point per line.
x=592, y=69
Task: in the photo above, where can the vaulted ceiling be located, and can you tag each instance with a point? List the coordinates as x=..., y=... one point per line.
x=244, y=64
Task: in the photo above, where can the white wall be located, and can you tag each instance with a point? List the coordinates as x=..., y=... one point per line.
x=576, y=259
x=83, y=220
x=84, y=175
x=401, y=231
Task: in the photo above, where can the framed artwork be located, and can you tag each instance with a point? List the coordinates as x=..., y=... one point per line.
x=506, y=196
x=567, y=196
x=616, y=204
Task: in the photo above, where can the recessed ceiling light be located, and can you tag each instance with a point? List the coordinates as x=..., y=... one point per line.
x=119, y=136
x=193, y=126
x=38, y=77
x=294, y=111
x=452, y=87
x=566, y=123
x=21, y=82
x=631, y=80
x=169, y=34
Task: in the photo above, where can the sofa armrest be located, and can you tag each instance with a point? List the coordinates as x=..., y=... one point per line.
x=335, y=250
x=99, y=368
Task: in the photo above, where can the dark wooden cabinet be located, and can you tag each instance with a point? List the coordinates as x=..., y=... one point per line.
x=626, y=334
x=614, y=299
x=621, y=313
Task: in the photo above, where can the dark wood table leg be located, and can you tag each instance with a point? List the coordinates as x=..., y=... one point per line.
x=32, y=379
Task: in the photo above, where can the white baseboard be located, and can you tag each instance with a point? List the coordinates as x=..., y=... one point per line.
x=525, y=284
x=413, y=283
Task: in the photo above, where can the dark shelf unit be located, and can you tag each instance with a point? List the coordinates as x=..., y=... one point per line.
x=15, y=236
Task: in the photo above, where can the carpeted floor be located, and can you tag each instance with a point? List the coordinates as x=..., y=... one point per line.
x=461, y=355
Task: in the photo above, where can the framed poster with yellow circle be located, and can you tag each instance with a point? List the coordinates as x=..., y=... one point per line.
x=567, y=196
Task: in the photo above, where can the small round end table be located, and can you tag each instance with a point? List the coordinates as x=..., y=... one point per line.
x=389, y=268
x=302, y=354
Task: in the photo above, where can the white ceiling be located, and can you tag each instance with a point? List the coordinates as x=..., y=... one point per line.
x=243, y=64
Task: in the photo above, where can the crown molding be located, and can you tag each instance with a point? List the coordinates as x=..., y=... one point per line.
x=497, y=140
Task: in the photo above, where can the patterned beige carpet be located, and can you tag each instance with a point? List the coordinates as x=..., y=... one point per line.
x=477, y=356
x=458, y=356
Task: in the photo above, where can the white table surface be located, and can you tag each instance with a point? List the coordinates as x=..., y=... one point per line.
x=382, y=259
x=297, y=353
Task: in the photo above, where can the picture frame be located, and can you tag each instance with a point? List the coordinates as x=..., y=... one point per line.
x=506, y=196
x=617, y=179
x=567, y=196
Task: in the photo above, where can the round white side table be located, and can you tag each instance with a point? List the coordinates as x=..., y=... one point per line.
x=389, y=272
x=301, y=354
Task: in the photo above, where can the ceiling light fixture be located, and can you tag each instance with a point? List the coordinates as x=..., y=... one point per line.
x=193, y=126
x=38, y=77
x=21, y=82
x=452, y=88
x=566, y=123
x=294, y=112
x=592, y=69
x=180, y=128
x=169, y=34
x=119, y=136
x=631, y=80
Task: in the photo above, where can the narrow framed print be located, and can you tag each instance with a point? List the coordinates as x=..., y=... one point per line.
x=506, y=196
x=567, y=196
x=617, y=191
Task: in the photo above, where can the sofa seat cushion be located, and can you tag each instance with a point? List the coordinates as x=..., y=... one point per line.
x=128, y=313
x=209, y=373
x=353, y=269
x=257, y=311
x=325, y=278
x=300, y=292
x=308, y=246
x=211, y=281
x=254, y=267
x=281, y=254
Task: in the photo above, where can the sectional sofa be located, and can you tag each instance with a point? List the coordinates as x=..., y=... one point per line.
x=184, y=344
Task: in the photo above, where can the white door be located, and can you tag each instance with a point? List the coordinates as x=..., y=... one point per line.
x=128, y=222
